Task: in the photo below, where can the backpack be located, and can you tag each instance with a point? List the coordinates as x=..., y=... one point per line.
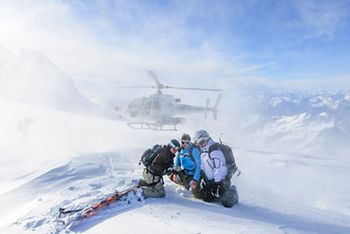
x=149, y=155
x=229, y=158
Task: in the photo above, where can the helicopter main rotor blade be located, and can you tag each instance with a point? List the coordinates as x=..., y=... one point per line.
x=155, y=78
x=161, y=86
x=137, y=87
x=198, y=89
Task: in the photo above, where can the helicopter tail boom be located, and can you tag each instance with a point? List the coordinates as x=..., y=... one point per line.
x=184, y=109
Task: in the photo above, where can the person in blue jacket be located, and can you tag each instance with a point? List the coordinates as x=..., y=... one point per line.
x=187, y=165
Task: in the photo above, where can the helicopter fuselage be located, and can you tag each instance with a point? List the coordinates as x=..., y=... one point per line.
x=161, y=108
x=152, y=107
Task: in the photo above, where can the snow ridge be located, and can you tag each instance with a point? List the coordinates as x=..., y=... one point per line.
x=32, y=78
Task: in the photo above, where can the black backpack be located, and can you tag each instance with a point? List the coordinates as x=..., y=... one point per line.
x=149, y=155
x=228, y=154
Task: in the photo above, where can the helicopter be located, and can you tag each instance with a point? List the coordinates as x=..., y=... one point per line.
x=161, y=111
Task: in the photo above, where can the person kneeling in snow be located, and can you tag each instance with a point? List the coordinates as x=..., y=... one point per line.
x=215, y=180
x=158, y=161
x=187, y=166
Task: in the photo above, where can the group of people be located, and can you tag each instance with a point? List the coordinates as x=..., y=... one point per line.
x=194, y=165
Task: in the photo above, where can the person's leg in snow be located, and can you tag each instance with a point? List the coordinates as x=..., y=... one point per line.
x=229, y=194
x=156, y=189
x=197, y=192
x=181, y=178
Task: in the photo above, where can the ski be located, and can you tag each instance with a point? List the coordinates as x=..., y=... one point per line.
x=83, y=213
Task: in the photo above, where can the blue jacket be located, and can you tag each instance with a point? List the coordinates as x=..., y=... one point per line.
x=190, y=165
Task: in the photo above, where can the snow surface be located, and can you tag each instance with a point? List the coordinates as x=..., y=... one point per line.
x=58, y=149
x=61, y=159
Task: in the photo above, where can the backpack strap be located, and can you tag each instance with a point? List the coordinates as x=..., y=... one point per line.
x=214, y=147
x=153, y=179
x=190, y=153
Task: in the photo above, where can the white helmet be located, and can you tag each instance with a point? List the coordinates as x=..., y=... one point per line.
x=200, y=135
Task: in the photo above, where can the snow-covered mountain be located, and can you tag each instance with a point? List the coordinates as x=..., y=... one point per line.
x=330, y=102
x=301, y=118
x=31, y=77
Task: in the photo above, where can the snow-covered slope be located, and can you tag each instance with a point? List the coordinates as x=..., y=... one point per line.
x=293, y=180
x=53, y=159
x=32, y=78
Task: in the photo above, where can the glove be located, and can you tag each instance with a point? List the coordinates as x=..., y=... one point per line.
x=193, y=184
x=215, y=189
x=202, y=184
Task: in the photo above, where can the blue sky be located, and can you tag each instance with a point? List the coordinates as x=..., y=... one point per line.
x=283, y=39
x=277, y=40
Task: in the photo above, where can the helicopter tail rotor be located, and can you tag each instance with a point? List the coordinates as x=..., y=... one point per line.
x=207, y=107
x=215, y=107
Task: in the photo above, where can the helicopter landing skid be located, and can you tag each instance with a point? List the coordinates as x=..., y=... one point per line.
x=152, y=126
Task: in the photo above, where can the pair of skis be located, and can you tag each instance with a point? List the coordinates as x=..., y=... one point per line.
x=83, y=213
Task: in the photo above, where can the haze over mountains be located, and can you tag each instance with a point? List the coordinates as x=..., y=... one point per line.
x=307, y=119
x=33, y=78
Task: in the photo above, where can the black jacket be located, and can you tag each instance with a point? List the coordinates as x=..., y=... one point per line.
x=163, y=161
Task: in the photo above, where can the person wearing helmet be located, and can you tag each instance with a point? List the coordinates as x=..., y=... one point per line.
x=214, y=184
x=152, y=182
x=187, y=165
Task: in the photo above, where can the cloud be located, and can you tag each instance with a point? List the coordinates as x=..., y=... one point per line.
x=43, y=26
x=112, y=38
x=322, y=18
